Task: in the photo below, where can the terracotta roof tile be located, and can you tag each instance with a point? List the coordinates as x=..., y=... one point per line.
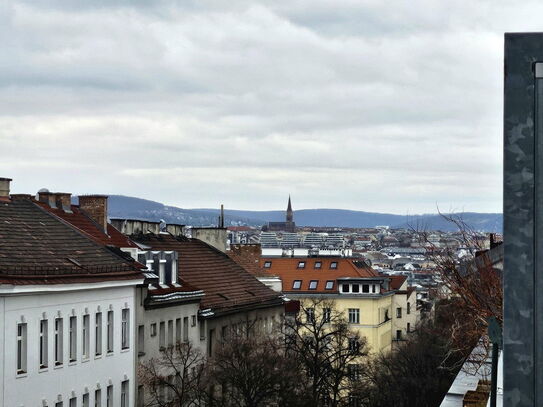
x=225, y=283
x=37, y=248
x=287, y=268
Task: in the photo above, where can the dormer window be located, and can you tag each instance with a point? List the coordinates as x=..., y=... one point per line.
x=313, y=284
x=355, y=288
x=297, y=284
x=301, y=264
x=365, y=288
x=318, y=265
x=345, y=288
x=329, y=285
x=333, y=265
x=267, y=264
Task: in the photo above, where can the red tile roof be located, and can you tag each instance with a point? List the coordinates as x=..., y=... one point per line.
x=248, y=257
x=78, y=219
x=396, y=281
x=227, y=285
x=37, y=248
x=287, y=269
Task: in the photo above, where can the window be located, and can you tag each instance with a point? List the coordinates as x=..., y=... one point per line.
x=125, y=328
x=333, y=265
x=210, y=342
x=110, y=322
x=373, y=288
x=296, y=284
x=141, y=395
x=162, y=335
x=185, y=329
x=354, y=371
x=178, y=330
x=354, y=315
x=85, y=400
x=267, y=264
x=301, y=264
x=44, y=360
x=318, y=264
x=329, y=285
x=202, y=330
x=354, y=345
x=98, y=334
x=365, y=288
x=408, y=327
x=193, y=321
x=398, y=312
x=58, y=341
x=162, y=271
x=344, y=288
x=73, y=402
x=408, y=308
x=170, y=332
x=313, y=284
x=59, y=404
x=355, y=288
x=141, y=340
x=73, y=339
x=86, y=336
x=109, y=396
x=153, y=329
x=98, y=398
x=21, y=348
x=326, y=315
x=310, y=315
x=399, y=334
x=387, y=317
x=124, y=394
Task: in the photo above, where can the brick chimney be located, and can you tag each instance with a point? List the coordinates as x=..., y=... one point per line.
x=48, y=198
x=64, y=201
x=96, y=207
x=4, y=187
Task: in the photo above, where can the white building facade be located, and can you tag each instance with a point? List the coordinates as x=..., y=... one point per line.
x=68, y=345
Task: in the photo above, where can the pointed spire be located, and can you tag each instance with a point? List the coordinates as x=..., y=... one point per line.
x=290, y=215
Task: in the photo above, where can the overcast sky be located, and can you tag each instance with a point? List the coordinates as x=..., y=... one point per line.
x=370, y=105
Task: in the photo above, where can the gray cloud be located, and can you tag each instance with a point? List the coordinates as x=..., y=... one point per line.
x=362, y=105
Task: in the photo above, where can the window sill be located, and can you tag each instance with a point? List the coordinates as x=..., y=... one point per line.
x=109, y=354
x=84, y=360
x=99, y=356
x=125, y=350
x=72, y=363
x=140, y=354
x=20, y=375
x=43, y=369
x=59, y=366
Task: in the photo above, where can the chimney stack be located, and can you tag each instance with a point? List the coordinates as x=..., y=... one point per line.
x=221, y=224
x=4, y=187
x=48, y=198
x=64, y=201
x=96, y=207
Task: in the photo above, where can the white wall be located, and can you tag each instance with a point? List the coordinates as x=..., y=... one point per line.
x=70, y=379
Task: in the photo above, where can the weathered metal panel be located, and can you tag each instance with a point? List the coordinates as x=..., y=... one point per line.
x=523, y=223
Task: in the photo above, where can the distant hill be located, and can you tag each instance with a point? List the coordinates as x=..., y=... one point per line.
x=136, y=208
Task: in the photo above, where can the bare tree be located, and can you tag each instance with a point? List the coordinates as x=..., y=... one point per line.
x=328, y=352
x=416, y=374
x=250, y=369
x=474, y=284
x=177, y=378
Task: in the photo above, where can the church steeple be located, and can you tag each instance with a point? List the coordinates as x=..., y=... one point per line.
x=290, y=214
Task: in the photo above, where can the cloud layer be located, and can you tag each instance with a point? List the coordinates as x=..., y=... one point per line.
x=368, y=105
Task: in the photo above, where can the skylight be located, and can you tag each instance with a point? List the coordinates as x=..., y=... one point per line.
x=313, y=284
x=297, y=284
